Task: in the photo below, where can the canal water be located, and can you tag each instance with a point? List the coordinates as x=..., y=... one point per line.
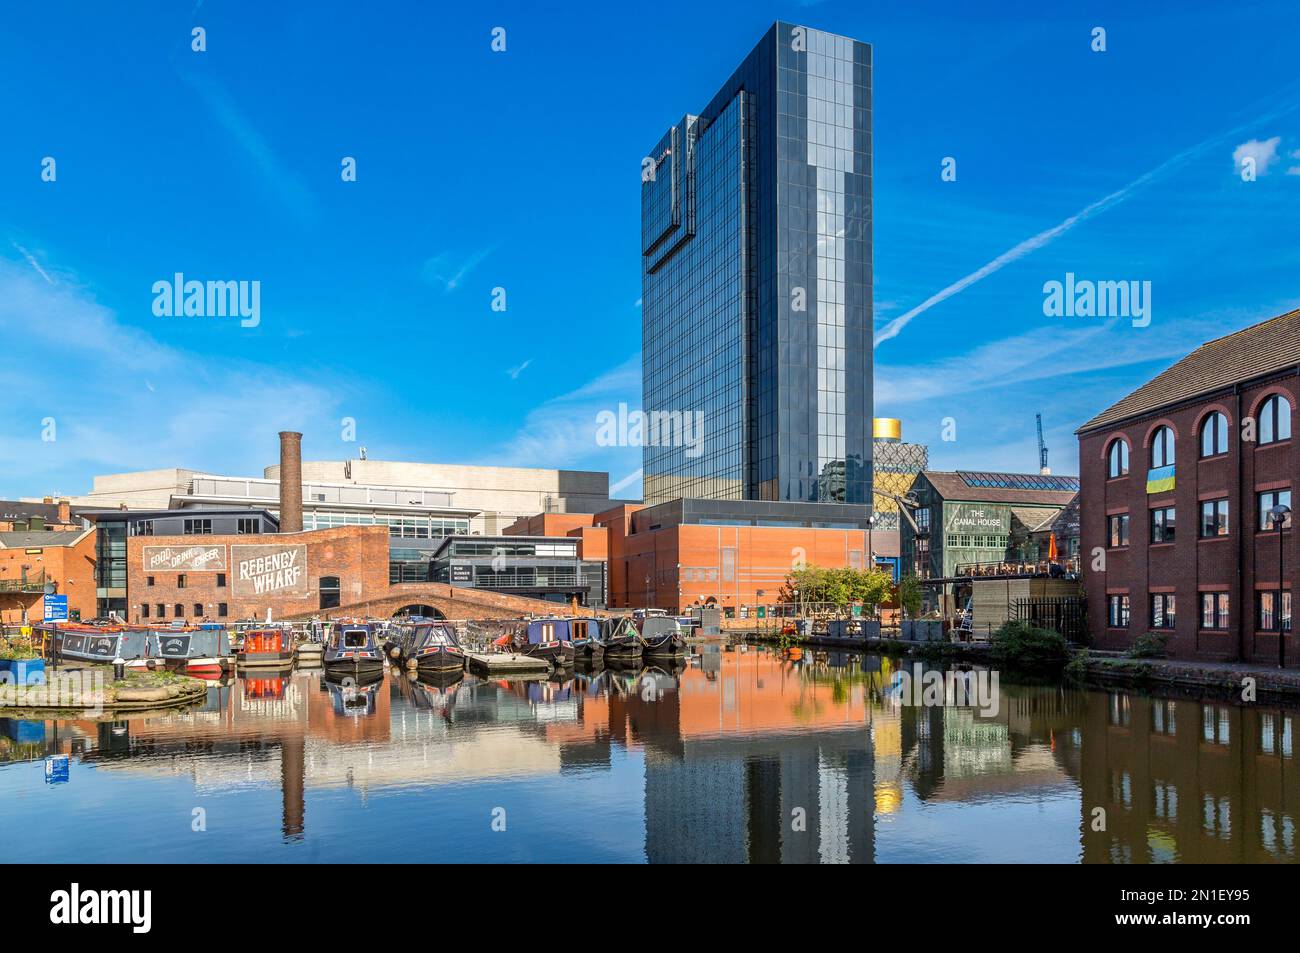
x=734, y=755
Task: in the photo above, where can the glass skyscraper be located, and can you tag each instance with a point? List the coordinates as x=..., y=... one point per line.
x=756, y=265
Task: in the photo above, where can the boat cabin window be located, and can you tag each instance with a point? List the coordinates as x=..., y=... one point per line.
x=579, y=630
x=354, y=639
x=437, y=637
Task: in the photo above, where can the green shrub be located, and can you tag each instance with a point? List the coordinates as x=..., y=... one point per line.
x=1026, y=646
x=1148, y=645
x=17, y=649
x=1076, y=670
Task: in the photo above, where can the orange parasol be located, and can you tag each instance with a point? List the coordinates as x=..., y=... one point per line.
x=1051, y=547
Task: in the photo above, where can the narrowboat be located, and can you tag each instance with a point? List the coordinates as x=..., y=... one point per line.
x=583, y=643
x=662, y=636
x=201, y=651
x=99, y=643
x=266, y=648
x=351, y=648
x=543, y=638
x=431, y=647
x=621, y=638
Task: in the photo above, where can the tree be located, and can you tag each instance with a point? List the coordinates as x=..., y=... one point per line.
x=909, y=595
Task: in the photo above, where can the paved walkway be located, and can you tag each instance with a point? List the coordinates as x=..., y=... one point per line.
x=1222, y=675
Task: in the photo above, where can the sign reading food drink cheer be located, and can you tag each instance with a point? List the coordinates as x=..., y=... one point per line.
x=269, y=570
x=185, y=558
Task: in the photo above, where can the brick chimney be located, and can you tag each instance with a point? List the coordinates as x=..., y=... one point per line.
x=65, y=511
x=290, y=482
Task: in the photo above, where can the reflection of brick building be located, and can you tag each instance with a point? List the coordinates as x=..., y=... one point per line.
x=242, y=576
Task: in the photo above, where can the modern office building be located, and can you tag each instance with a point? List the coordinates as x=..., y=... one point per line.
x=1180, y=481
x=539, y=567
x=756, y=263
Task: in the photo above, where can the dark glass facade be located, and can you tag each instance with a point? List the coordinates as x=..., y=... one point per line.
x=756, y=260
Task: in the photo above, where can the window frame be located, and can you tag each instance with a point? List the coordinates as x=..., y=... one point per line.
x=1265, y=524
x=1168, y=525
x=1168, y=610
x=1163, y=438
x=1270, y=416
x=1121, y=520
x=1226, y=523
x=1118, y=447
x=1217, y=420
x=1122, y=603
x=1221, y=611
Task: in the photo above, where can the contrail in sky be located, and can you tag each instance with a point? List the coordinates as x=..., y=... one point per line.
x=1047, y=236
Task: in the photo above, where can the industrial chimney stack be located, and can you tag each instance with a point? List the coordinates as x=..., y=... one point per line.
x=290, y=482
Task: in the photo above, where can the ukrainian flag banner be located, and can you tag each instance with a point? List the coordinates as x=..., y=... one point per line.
x=1160, y=479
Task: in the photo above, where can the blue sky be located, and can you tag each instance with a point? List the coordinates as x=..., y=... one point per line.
x=520, y=170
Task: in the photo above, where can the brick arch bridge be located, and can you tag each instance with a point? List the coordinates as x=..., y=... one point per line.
x=454, y=602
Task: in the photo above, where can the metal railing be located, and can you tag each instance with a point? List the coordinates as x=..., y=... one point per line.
x=1020, y=567
x=27, y=584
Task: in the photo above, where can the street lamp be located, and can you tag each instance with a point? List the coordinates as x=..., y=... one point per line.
x=871, y=549
x=1279, y=515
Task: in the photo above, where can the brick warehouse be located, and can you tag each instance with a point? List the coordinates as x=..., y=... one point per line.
x=1177, y=480
x=232, y=577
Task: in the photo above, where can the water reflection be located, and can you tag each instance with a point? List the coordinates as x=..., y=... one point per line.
x=744, y=755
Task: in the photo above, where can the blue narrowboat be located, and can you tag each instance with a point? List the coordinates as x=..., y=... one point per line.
x=351, y=648
x=583, y=643
x=543, y=638
x=430, y=646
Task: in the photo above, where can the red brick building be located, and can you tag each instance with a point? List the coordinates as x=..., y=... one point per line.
x=233, y=577
x=31, y=560
x=1177, y=481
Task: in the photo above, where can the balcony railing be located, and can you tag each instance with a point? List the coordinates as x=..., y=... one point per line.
x=35, y=583
x=1064, y=568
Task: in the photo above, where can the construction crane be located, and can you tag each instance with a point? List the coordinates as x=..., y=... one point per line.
x=1043, y=468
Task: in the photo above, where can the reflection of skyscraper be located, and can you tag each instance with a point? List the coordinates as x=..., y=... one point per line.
x=802, y=798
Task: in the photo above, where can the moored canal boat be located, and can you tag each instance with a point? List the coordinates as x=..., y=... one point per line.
x=99, y=643
x=351, y=648
x=266, y=648
x=431, y=647
x=543, y=639
x=202, y=651
x=622, y=640
x=583, y=643
x=662, y=635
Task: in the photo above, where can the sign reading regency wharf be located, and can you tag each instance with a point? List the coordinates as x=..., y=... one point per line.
x=269, y=570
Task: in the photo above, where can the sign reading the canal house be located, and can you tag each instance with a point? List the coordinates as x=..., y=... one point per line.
x=977, y=519
x=269, y=570
x=185, y=558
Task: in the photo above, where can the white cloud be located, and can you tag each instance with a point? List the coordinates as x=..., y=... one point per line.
x=447, y=271
x=1264, y=152
x=122, y=399
x=561, y=432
